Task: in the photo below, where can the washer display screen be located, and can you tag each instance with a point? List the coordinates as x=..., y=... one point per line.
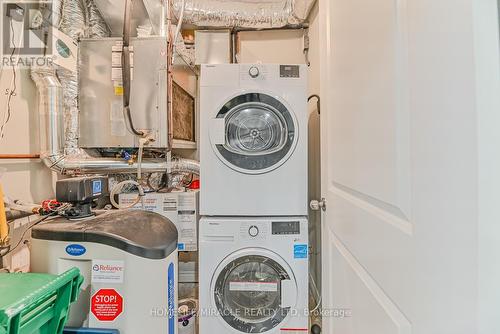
x=286, y=227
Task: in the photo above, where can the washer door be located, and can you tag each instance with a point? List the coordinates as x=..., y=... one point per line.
x=253, y=293
x=259, y=133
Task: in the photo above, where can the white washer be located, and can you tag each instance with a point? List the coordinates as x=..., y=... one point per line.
x=253, y=275
x=253, y=132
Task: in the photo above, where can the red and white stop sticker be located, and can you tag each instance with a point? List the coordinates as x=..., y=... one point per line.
x=106, y=305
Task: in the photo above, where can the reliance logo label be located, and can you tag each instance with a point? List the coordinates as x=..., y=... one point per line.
x=108, y=271
x=75, y=250
x=107, y=268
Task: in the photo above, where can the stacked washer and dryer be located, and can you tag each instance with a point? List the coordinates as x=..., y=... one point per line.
x=254, y=230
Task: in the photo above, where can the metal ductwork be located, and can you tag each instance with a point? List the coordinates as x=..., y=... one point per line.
x=50, y=108
x=246, y=14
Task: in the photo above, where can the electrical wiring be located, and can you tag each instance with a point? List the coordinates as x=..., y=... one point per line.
x=44, y=218
x=318, y=298
x=12, y=90
x=318, y=102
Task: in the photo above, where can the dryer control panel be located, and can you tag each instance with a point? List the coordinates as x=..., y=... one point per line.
x=289, y=71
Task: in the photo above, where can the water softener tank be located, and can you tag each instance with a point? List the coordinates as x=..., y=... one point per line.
x=129, y=263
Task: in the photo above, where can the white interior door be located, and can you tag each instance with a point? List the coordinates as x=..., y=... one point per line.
x=410, y=92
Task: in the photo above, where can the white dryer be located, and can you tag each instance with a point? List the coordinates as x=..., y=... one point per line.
x=253, y=275
x=253, y=145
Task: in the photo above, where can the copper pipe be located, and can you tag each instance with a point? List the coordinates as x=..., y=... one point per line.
x=19, y=156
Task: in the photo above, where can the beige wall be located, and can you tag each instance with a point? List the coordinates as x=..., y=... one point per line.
x=27, y=180
x=271, y=46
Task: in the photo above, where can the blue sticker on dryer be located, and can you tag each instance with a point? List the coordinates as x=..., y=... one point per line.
x=300, y=251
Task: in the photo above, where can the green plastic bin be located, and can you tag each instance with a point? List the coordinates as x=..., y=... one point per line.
x=37, y=303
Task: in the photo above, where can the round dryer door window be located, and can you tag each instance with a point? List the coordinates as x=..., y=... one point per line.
x=248, y=294
x=260, y=133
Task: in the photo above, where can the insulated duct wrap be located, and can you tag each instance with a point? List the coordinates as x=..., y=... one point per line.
x=79, y=18
x=251, y=14
x=73, y=24
x=56, y=12
x=95, y=21
x=73, y=19
x=69, y=80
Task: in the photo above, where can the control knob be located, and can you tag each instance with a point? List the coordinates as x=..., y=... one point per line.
x=254, y=72
x=253, y=231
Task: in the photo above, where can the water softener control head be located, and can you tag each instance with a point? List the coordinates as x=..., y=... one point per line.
x=81, y=192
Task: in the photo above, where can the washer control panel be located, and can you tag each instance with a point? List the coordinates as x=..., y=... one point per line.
x=254, y=72
x=253, y=230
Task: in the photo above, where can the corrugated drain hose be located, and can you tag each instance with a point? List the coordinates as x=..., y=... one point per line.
x=117, y=189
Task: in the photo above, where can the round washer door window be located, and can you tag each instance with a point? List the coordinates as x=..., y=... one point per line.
x=248, y=294
x=260, y=133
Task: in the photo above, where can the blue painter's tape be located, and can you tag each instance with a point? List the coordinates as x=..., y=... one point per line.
x=171, y=299
x=300, y=251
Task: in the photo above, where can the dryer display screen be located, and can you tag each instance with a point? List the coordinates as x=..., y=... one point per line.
x=289, y=71
x=286, y=227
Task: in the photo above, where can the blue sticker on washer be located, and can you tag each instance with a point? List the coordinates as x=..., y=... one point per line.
x=300, y=251
x=180, y=247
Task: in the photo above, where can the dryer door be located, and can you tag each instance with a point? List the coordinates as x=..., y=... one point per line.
x=254, y=291
x=254, y=133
